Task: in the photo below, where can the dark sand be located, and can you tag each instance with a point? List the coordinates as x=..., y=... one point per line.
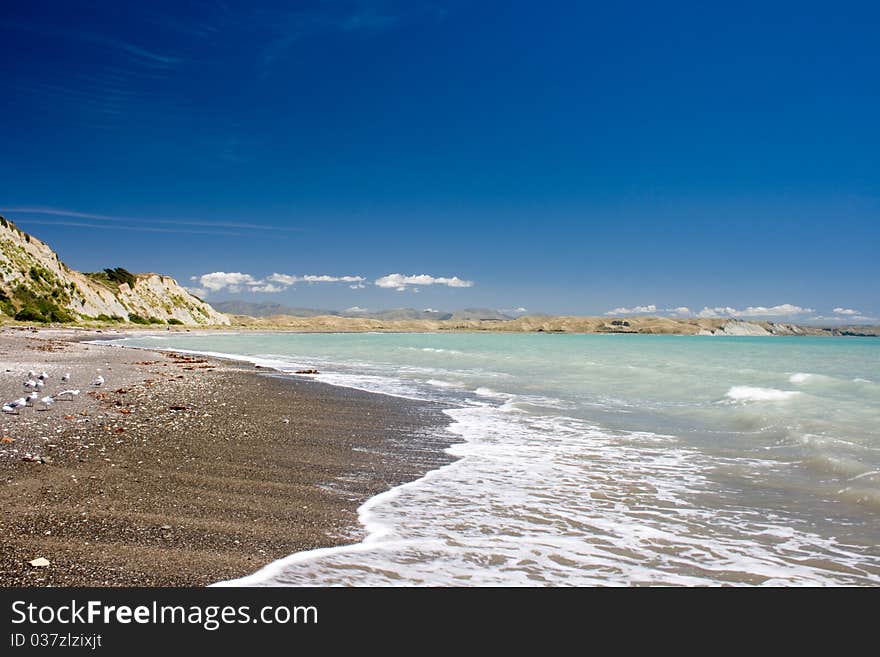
x=123, y=487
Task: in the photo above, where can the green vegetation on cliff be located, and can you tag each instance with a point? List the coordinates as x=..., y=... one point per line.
x=113, y=277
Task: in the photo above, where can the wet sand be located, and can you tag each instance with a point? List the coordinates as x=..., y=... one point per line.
x=182, y=471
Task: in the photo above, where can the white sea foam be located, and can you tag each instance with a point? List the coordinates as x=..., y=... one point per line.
x=483, y=391
x=442, y=384
x=636, y=524
x=800, y=377
x=753, y=393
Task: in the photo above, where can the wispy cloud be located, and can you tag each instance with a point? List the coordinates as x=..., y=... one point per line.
x=203, y=26
x=127, y=227
x=135, y=51
x=132, y=223
x=126, y=78
x=368, y=17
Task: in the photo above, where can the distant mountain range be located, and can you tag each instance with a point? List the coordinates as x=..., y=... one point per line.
x=251, y=309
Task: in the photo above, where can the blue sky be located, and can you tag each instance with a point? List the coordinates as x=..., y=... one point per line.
x=559, y=157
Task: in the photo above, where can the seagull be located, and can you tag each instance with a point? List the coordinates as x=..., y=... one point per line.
x=13, y=406
x=43, y=376
x=47, y=401
x=30, y=383
x=31, y=397
x=65, y=376
x=64, y=393
x=40, y=384
x=99, y=381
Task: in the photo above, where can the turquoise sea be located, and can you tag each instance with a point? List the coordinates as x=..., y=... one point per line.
x=607, y=459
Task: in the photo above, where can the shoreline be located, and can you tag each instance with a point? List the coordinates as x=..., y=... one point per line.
x=187, y=471
x=530, y=324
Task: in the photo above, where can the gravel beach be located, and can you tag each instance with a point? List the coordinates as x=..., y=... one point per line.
x=182, y=470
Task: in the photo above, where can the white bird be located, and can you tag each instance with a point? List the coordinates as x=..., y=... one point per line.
x=98, y=381
x=30, y=383
x=47, y=401
x=31, y=397
x=43, y=376
x=13, y=406
x=40, y=385
x=65, y=376
x=63, y=393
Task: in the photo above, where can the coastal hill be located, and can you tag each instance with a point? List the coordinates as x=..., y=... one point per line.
x=36, y=286
x=317, y=322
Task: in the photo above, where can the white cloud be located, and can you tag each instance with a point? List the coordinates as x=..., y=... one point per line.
x=355, y=309
x=357, y=286
x=288, y=279
x=283, y=279
x=842, y=320
x=236, y=282
x=310, y=278
x=268, y=288
x=219, y=280
x=197, y=291
x=751, y=312
x=636, y=310
x=783, y=310
x=400, y=282
x=716, y=312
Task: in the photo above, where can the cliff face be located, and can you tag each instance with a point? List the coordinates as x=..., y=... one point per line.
x=36, y=285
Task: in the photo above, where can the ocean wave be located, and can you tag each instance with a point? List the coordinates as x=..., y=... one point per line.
x=483, y=391
x=442, y=384
x=809, y=377
x=754, y=393
x=433, y=350
x=841, y=466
